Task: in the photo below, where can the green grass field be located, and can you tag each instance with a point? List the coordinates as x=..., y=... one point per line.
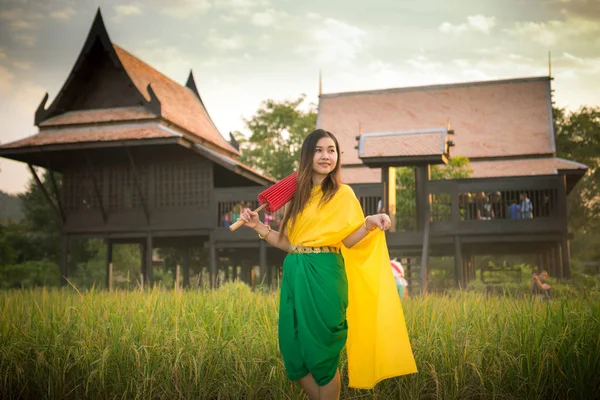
x=222, y=344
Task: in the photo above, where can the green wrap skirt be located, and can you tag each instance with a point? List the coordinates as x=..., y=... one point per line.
x=312, y=315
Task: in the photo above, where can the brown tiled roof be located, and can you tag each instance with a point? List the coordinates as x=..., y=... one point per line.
x=403, y=144
x=490, y=119
x=101, y=115
x=179, y=104
x=523, y=167
x=93, y=134
x=361, y=175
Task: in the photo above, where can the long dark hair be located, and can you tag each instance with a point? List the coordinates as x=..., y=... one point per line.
x=330, y=184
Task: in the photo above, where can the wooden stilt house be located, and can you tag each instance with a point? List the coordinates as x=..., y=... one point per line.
x=506, y=130
x=141, y=161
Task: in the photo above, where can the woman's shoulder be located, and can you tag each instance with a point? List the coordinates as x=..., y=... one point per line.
x=346, y=190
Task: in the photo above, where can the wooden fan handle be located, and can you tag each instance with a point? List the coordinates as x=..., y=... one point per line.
x=239, y=223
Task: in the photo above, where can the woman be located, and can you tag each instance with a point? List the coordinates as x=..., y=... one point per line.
x=337, y=283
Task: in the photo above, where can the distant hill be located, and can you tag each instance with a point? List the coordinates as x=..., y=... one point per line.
x=10, y=208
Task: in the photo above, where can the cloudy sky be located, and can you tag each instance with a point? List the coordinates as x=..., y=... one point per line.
x=246, y=51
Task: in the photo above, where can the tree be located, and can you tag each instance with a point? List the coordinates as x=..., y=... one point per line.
x=277, y=132
x=578, y=139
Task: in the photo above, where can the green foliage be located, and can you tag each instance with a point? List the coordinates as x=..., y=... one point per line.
x=457, y=168
x=10, y=208
x=277, y=132
x=59, y=344
x=578, y=139
x=29, y=274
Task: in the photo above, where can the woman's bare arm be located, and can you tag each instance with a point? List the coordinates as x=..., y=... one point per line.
x=381, y=221
x=274, y=238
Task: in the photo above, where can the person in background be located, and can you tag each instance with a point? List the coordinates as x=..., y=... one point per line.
x=526, y=207
x=538, y=286
x=401, y=283
x=514, y=210
x=484, y=207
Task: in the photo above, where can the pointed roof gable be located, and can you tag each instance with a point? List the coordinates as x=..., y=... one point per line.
x=158, y=94
x=179, y=104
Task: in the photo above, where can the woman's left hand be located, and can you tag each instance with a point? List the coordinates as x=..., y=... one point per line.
x=381, y=221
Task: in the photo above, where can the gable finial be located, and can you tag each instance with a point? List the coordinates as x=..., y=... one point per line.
x=191, y=84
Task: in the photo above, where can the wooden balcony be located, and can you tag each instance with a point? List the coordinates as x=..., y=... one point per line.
x=455, y=210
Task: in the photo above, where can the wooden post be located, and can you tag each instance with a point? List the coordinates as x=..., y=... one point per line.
x=559, y=260
x=213, y=262
x=148, y=257
x=177, y=278
x=186, y=268
x=110, y=277
x=425, y=253
x=143, y=268
x=566, y=258
x=109, y=251
x=385, y=181
x=64, y=260
x=458, y=263
x=422, y=174
x=262, y=261
x=392, y=197
x=552, y=264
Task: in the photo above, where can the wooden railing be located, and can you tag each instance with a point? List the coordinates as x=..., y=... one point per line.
x=456, y=206
x=459, y=205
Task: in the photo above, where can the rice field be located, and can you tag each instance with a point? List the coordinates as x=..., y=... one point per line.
x=222, y=344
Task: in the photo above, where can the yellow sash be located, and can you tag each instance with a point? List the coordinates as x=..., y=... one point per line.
x=378, y=346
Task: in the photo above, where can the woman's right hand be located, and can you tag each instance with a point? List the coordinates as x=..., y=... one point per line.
x=250, y=218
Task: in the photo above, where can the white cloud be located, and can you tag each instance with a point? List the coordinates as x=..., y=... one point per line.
x=481, y=23
x=538, y=32
x=461, y=63
x=25, y=39
x=12, y=14
x=6, y=79
x=447, y=27
x=552, y=32
x=224, y=43
x=477, y=23
x=241, y=7
x=126, y=10
x=64, y=14
x=334, y=41
x=264, y=18
x=582, y=64
x=228, y=18
x=17, y=15
x=264, y=42
x=422, y=63
x=23, y=65
x=184, y=9
x=21, y=24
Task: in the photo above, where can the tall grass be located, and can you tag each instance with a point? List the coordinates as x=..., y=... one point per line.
x=223, y=344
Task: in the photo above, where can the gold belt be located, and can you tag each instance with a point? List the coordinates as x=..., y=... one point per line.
x=314, y=250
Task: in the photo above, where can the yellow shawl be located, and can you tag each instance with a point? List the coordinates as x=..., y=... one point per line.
x=378, y=346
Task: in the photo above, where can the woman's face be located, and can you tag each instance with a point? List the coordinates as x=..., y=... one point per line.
x=325, y=157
